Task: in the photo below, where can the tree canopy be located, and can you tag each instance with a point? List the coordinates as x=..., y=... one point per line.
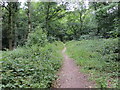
x=59, y=21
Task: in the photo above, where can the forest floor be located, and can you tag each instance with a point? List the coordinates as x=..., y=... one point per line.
x=69, y=76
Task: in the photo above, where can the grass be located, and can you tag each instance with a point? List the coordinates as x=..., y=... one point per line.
x=31, y=67
x=98, y=58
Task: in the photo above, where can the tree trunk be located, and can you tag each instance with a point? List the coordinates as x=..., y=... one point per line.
x=29, y=22
x=15, y=37
x=10, y=44
x=1, y=17
x=95, y=8
x=81, y=22
x=47, y=16
x=29, y=18
x=10, y=26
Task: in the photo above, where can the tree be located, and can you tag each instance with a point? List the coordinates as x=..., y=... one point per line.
x=29, y=16
x=106, y=16
x=10, y=10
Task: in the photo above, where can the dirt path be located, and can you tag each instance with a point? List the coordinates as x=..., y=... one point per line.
x=70, y=77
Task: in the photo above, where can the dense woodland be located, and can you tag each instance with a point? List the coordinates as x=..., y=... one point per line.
x=33, y=35
x=58, y=21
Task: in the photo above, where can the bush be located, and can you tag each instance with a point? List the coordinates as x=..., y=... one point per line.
x=99, y=57
x=31, y=67
x=37, y=37
x=89, y=37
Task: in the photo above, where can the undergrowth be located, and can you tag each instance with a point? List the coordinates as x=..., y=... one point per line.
x=99, y=58
x=31, y=67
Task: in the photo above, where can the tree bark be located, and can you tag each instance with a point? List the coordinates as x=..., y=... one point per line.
x=10, y=26
x=29, y=18
x=10, y=44
x=81, y=22
x=15, y=36
x=47, y=16
x=29, y=21
x=95, y=8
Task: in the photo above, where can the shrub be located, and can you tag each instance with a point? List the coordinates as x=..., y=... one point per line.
x=99, y=57
x=31, y=67
x=37, y=37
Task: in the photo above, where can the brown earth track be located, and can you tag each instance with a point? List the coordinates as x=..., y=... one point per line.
x=69, y=76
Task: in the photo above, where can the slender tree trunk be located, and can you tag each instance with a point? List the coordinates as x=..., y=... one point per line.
x=75, y=32
x=15, y=37
x=29, y=18
x=10, y=44
x=81, y=22
x=29, y=21
x=10, y=26
x=10, y=38
x=95, y=8
x=1, y=17
x=47, y=16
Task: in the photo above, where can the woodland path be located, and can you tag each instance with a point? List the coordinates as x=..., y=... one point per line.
x=69, y=76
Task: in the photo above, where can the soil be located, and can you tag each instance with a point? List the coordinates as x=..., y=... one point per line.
x=69, y=76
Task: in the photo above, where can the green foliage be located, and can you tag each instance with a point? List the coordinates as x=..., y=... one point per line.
x=58, y=21
x=107, y=18
x=37, y=37
x=41, y=23
x=99, y=58
x=31, y=67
